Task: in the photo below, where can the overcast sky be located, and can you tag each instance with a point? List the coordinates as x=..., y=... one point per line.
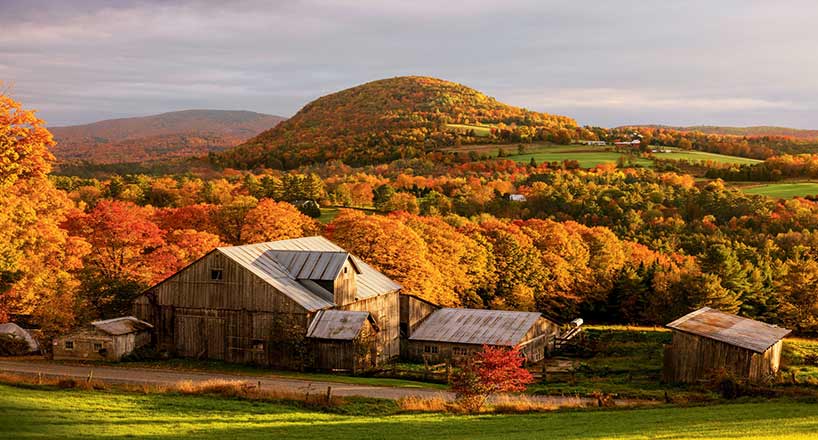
x=604, y=63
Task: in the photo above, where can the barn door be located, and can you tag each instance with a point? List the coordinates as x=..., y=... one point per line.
x=199, y=337
x=214, y=328
x=190, y=341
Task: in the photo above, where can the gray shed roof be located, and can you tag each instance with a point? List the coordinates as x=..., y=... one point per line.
x=475, y=326
x=272, y=261
x=337, y=324
x=731, y=329
x=121, y=326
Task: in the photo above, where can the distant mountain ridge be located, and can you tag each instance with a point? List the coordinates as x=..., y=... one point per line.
x=390, y=119
x=753, y=131
x=168, y=135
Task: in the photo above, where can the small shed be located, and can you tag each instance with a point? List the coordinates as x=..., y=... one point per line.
x=708, y=340
x=13, y=330
x=454, y=334
x=343, y=340
x=108, y=340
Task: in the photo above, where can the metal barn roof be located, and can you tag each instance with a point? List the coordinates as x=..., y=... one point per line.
x=337, y=324
x=731, y=329
x=121, y=326
x=273, y=262
x=311, y=265
x=474, y=326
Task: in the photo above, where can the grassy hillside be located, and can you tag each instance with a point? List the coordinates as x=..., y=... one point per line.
x=60, y=414
x=168, y=135
x=390, y=119
x=784, y=190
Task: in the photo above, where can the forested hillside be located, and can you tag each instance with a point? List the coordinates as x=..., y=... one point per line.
x=168, y=135
x=391, y=119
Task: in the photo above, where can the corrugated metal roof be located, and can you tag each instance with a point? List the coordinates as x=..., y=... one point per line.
x=337, y=324
x=474, y=326
x=272, y=261
x=311, y=265
x=731, y=329
x=121, y=326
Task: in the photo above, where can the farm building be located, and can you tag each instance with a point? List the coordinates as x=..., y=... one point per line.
x=299, y=303
x=708, y=340
x=104, y=340
x=454, y=334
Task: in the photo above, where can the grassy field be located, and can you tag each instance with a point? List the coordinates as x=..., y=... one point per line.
x=57, y=414
x=588, y=157
x=701, y=156
x=784, y=190
x=328, y=214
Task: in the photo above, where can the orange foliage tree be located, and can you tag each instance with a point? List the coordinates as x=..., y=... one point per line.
x=37, y=258
x=271, y=220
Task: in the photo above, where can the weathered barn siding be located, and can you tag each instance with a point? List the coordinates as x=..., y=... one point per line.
x=353, y=356
x=707, y=340
x=345, y=285
x=90, y=345
x=385, y=310
x=690, y=358
x=537, y=340
x=238, y=318
x=413, y=311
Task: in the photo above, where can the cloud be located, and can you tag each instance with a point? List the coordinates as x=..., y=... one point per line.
x=604, y=63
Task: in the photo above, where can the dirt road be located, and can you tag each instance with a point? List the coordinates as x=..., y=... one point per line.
x=168, y=377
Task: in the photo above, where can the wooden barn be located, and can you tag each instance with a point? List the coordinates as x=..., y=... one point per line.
x=449, y=334
x=708, y=340
x=270, y=304
x=106, y=340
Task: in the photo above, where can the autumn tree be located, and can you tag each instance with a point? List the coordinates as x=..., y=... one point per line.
x=490, y=371
x=127, y=254
x=270, y=221
x=37, y=258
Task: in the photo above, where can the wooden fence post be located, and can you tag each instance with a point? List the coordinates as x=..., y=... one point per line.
x=329, y=396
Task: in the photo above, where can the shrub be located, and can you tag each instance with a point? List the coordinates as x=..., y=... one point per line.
x=12, y=345
x=491, y=371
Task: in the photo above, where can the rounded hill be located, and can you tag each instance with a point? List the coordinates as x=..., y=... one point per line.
x=390, y=119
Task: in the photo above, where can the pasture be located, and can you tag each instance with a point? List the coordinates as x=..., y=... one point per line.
x=783, y=190
x=702, y=156
x=37, y=412
x=588, y=157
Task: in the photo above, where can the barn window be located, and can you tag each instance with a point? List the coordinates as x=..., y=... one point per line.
x=430, y=349
x=97, y=346
x=257, y=344
x=216, y=274
x=346, y=269
x=69, y=345
x=460, y=351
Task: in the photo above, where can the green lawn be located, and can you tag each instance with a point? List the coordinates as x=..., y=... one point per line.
x=58, y=414
x=700, y=156
x=784, y=190
x=328, y=215
x=587, y=156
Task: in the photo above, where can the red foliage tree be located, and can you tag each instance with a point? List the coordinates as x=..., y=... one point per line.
x=493, y=370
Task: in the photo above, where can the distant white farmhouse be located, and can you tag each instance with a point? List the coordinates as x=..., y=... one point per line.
x=516, y=197
x=594, y=143
x=628, y=143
